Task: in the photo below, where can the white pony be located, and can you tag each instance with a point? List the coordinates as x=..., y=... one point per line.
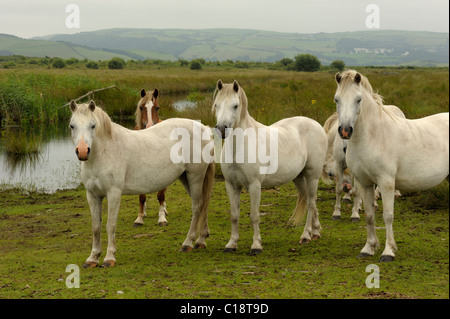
x=336, y=169
x=389, y=151
x=297, y=146
x=117, y=161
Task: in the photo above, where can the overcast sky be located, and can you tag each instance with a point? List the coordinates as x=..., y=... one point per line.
x=28, y=18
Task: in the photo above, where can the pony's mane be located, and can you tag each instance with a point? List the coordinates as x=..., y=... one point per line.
x=104, y=123
x=348, y=77
x=228, y=91
x=330, y=121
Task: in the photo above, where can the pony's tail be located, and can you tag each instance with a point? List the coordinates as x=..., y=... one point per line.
x=208, y=183
x=301, y=207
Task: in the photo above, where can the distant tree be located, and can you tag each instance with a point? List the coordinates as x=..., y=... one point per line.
x=58, y=63
x=307, y=62
x=92, y=65
x=116, y=64
x=338, y=64
x=183, y=62
x=196, y=65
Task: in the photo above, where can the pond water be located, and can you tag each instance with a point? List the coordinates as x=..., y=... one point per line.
x=55, y=165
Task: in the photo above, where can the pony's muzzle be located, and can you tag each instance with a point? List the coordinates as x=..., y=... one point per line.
x=82, y=150
x=346, y=187
x=221, y=131
x=345, y=132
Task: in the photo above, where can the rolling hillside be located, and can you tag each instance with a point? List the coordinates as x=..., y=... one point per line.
x=12, y=45
x=371, y=47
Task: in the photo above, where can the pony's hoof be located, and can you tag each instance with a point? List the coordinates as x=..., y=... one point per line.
x=355, y=219
x=186, y=249
x=109, y=263
x=162, y=223
x=315, y=237
x=138, y=225
x=386, y=258
x=197, y=246
x=363, y=255
x=335, y=217
x=229, y=250
x=256, y=251
x=304, y=241
x=90, y=265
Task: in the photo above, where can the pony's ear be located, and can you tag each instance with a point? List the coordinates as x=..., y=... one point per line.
x=155, y=93
x=235, y=86
x=73, y=106
x=143, y=93
x=357, y=78
x=219, y=85
x=92, y=106
x=338, y=78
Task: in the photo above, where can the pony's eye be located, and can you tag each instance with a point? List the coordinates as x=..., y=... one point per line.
x=71, y=126
x=141, y=108
x=335, y=100
x=358, y=100
x=235, y=107
x=93, y=126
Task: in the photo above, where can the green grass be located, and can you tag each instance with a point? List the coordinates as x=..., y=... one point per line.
x=41, y=234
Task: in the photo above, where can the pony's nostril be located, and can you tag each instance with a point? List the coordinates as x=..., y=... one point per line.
x=76, y=151
x=89, y=150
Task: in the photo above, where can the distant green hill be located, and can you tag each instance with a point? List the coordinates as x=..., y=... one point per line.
x=12, y=45
x=371, y=47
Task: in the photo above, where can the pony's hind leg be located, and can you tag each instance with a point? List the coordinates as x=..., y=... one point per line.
x=162, y=221
x=255, y=199
x=142, y=207
x=194, y=183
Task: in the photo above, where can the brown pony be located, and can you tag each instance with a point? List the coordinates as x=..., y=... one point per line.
x=148, y=108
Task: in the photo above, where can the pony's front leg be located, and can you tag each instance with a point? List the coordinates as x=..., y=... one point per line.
x=95, y=205
x=356, y=204
x=255, y=199
x=114, y=197
x=387, y=190
x=234, y=195
x=337, y=206
x=142, y=206
x=372, y=242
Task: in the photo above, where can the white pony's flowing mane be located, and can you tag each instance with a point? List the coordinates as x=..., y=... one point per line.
x=228, y=90
x=348, y=77
x=104, y=123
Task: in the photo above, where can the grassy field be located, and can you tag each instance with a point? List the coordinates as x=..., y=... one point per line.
x=41, y=234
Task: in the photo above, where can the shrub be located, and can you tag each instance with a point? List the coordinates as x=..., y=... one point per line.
x=92, y=65
x=58, y=63
x=338, y=64
x=116, y=64
x=196, y=65
x=307, y=62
